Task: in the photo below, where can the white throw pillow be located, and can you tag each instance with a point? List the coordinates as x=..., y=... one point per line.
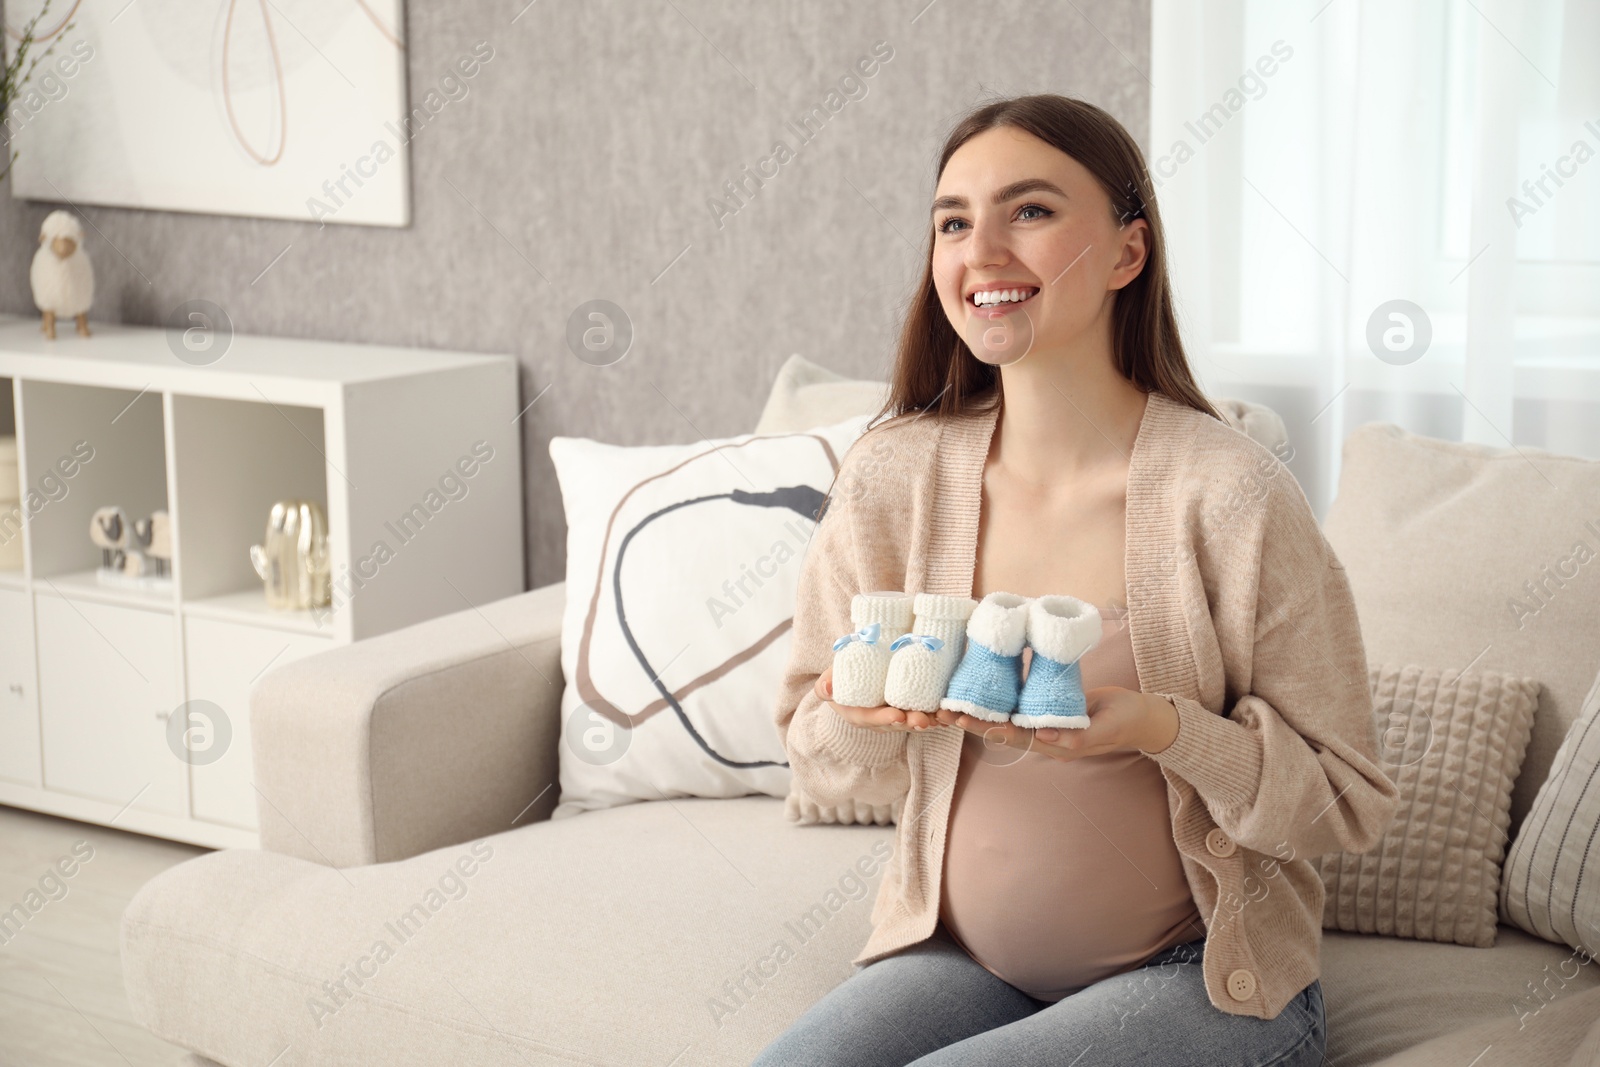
x=670, y=693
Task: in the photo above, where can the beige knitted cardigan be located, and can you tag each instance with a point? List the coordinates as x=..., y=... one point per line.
x=1239, y=612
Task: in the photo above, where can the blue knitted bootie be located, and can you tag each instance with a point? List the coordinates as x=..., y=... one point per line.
x=986, y=683
x=1060, y=630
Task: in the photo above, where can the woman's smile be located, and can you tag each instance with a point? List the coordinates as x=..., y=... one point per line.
x=991, y=302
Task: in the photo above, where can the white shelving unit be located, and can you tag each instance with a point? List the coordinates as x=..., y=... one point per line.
x=413, y=455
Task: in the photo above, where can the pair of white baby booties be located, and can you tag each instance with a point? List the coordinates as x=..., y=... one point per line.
x=928, y=651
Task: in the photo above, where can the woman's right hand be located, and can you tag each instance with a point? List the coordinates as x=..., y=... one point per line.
x=884, y=719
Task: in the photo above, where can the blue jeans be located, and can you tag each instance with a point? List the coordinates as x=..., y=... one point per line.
x=933, y=1005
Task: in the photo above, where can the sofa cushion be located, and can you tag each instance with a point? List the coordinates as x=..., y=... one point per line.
x=1384, y=995
x=622, y=936
x=1452, y=742
x=806, y=394
x=1257, y=422
x=1566, y=1033
x=628, y=935
x=682, y=564
x=1552, y=881
x=1466, y=556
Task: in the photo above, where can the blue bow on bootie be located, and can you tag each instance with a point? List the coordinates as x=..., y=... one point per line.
x=927, y=641
x=867, y=634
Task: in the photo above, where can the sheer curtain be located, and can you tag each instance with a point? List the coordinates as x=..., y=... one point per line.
x=1384, y=211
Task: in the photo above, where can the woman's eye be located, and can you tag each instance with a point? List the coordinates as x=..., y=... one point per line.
x=1043, y=213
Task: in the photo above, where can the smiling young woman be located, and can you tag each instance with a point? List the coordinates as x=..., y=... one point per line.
x=1078, y=893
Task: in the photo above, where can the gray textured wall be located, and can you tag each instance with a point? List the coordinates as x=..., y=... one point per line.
x=580, y=166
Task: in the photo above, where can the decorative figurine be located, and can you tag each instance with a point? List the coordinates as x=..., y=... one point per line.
x=152, y=539
x=61, y=276
x=137, y=553
x=108, y=528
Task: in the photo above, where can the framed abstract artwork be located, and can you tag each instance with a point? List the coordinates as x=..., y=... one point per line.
x=292, y=109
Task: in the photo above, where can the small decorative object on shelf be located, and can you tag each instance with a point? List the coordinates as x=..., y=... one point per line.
x=62, y=277
x=132, y=554
x=293, y=558
x=152, y=539
x=109, y=529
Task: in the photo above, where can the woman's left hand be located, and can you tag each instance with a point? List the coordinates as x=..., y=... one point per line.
x=1120, y=720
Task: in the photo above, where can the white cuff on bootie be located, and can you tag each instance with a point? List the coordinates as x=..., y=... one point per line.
x=1063, y=627
x=890, y=609
x=941, y=606
x=998, y=625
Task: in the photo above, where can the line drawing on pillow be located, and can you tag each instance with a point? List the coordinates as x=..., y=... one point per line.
x=805, y=501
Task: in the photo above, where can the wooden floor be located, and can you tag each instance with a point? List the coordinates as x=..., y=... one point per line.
x=61, y=994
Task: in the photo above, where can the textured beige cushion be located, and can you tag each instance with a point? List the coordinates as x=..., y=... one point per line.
x=806, y=394
x=1441, y=541
x=1452, y=743
x=1385, y=995
x=1551, y=885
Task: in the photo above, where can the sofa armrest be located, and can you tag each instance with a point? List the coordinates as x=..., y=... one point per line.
x=412, y=740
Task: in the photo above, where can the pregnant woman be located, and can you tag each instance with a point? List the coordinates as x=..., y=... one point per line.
x=1139, y=891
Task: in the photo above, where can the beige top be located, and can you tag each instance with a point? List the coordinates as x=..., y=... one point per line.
x=1057, y=875
x=1239, y=613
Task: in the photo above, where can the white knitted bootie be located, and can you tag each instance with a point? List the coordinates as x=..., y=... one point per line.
x=861, y=658
x=924, y=659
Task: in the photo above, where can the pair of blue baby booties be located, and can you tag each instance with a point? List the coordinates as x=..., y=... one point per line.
x=988, y=685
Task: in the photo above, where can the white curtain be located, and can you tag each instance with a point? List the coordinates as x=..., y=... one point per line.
x=1386, y=211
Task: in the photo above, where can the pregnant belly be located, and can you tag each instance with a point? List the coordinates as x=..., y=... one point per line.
x=1057, y=875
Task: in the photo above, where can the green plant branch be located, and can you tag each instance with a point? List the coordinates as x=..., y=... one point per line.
x=14, y=78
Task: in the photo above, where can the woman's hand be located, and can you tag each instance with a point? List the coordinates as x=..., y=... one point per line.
x=884, y=719
x=1120, y=720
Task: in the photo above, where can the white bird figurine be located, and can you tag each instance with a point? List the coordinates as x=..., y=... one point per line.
x=62, y=278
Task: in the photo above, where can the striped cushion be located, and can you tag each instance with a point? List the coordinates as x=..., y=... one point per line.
x=1551, y=886
x=1453, y=743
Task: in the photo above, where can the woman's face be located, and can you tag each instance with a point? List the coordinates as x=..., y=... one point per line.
x=1012, y=213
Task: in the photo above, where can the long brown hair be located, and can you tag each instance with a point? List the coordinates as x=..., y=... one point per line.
x=935, y=370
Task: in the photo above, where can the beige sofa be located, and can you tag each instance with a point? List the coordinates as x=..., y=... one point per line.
x=649, y=934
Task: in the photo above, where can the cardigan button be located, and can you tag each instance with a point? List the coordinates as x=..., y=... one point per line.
x=1220, y=844
x=1241, y=984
